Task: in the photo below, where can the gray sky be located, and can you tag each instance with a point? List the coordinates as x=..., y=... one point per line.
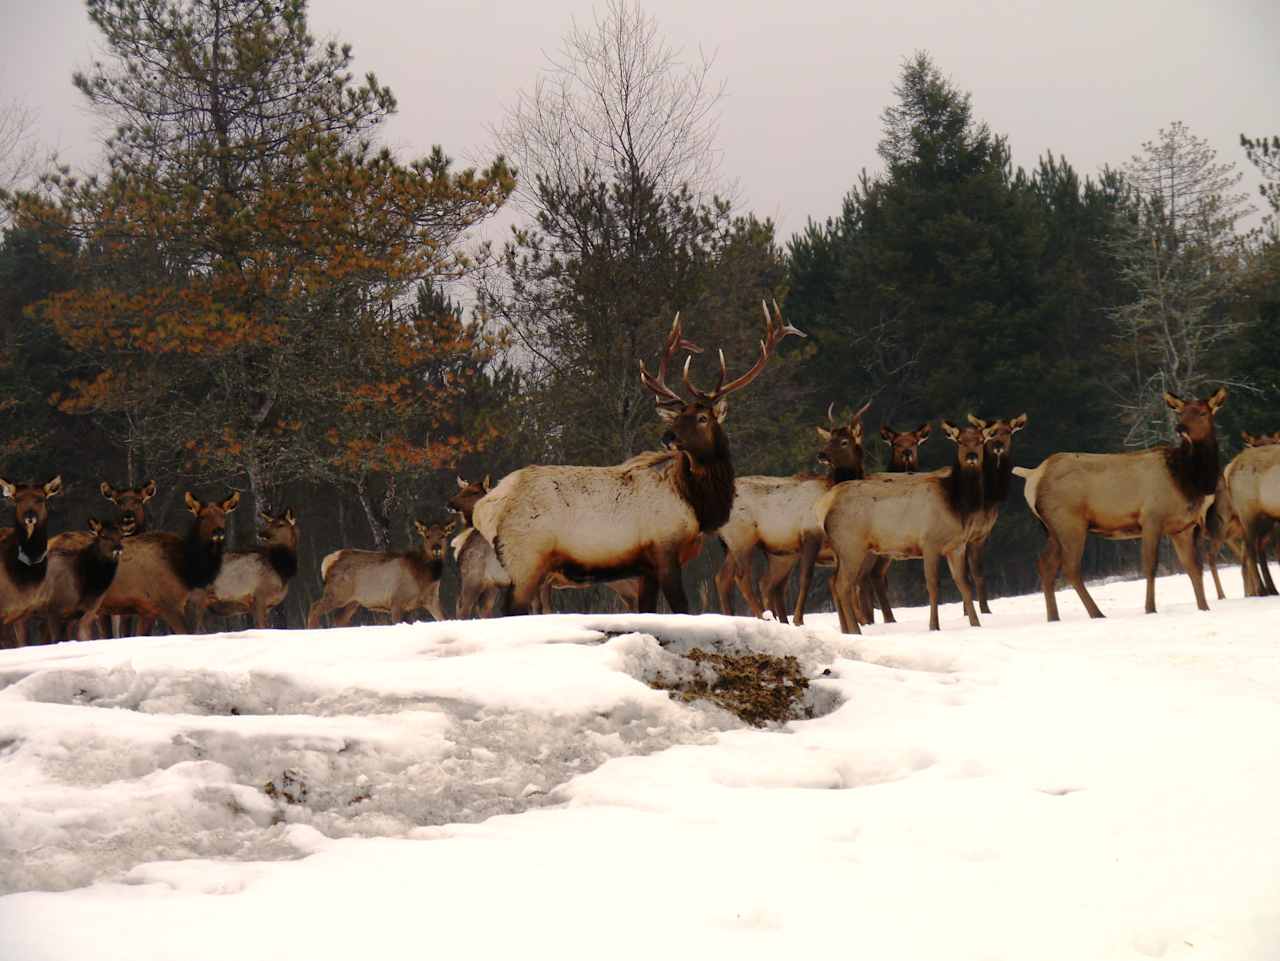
x=805, y=80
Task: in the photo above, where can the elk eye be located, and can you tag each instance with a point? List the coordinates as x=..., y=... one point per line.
x=702, y=418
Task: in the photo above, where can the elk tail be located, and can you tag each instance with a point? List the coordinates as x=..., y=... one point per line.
x=327, y=563
x=1032, y=477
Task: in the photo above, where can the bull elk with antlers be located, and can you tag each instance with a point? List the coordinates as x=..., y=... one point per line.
x=638, y=518
x=775, y=515
x=1162, y=492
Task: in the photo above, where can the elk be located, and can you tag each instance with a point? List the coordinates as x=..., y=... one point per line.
x=997, y=466
x=24, y=552
x=775, y=515
x=79, y=578
x=483, y=578
x=257, y=580
x=1222, y=526
x=395, y=584
x=1253, y=481
x=904, y=458
x=638, y=518
x=929, y=516
x=161, y=573
x=1161, y=492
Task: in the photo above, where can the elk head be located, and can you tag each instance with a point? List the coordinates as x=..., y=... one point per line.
x=904, y=447
x=107, y=538
x=30, y=504
x=1260, y=440
x=211, y=518
x=970, y=443
x=1195, y=417
x=278, y=531
x=435, y=538
x=129, y=501
x=468, y=495
x=1000, y=444
x=842, y=443
x=693, y=426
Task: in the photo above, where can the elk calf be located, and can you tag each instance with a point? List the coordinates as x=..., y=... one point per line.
x=1162, y=492
x=395, y=584
x=928, y=516
x=161, y=574
x=257, y=580
x=1253, y=481
x=79, y=578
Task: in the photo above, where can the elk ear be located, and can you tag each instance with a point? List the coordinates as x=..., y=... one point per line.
x=887, y=433
x=289, y=517
x=978, y=422
x=7, y=489
x=462, y=485
x=1249, y=439
x=824, y=435
x=265, y=517
x=418, y=526
x=989, y=433
x=1175, y=403
x=95, y=526
x=230, y=503
x=1018, y=423
x=148, y=491
x=1217, y=400
x=951, y=430
x=486, y=483
x=448, y=528
x=923, y=432
x=721, y=410
x=108, y=491
x=54, y=487
x=856, y=430
x=193, y=505
x=667, y=414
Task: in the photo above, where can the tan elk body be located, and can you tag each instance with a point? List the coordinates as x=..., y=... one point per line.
x=79, y=578
x=638, y=518
x=929, y=516
x=1150, y=494
x=397, y=584
x=257, y=580
x=1222, y=526
x=904, y=458
x=1253, y=482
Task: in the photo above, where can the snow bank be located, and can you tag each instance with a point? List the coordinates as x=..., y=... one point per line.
x=512, y=788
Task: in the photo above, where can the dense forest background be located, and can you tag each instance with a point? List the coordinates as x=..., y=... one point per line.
x=253, y=293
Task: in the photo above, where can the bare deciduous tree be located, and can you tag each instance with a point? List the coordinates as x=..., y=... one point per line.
x=19, y=151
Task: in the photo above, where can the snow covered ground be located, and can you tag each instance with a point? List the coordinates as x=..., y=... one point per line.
x=504, y=789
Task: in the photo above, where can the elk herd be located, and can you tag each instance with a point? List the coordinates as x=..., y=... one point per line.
x=635, y=525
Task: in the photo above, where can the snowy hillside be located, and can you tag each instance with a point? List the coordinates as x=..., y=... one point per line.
x=515, y=789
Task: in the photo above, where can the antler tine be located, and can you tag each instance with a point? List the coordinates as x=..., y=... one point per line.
x=703, y=395
x=772, y=335
x=675, y=341
x=831, y=414
x=858, y=416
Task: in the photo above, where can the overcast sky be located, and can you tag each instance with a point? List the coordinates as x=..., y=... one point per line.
x=805, y=80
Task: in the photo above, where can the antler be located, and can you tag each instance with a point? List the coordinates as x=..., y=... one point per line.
x=831, y=415
x=675, y=341
x=858, y=416
x=772, y=335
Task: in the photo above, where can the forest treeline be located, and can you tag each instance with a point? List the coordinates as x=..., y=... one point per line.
x=252, y=293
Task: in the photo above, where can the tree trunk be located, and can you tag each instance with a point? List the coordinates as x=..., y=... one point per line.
x=377, y=526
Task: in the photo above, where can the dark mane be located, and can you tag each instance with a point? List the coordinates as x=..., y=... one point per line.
x=963, y=489
x=21, y=573
x=198, y=561
x=422, y=564
x=997, y=473
x=838, y=475
x=708, y=486
x=94, y=572
x=1194, y=466
x=283, y=560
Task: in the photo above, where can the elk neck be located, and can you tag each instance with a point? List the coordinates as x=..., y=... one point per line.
x=201, y=558
x=283, y=560
x=964, y=489
x=27, y=558
x=707, y=485
x=1193, y=465
x=997, y=472
x=94, y=570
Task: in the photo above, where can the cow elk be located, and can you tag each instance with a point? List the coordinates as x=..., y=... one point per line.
x=161, y=574
x=1253, y=482
x=79, y=578
x=257, y=580
x=1222, y=526
x=904, y=458
x=638, y=518
x=24, y=552
x=929, y=516
x=775, y=515
x=1150, y=494
x=997, y=466
x=388, y=583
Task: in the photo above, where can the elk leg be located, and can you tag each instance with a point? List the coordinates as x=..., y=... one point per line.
x=957, y=561
x=1264, y=544
x=433, y=602
x=628, y=592
x=724, y=583
x=844, y=585
x=1184, y=543
x=648, y=598
x=1150, y=554
x=1249, y=566
x=317, y=610
x=746, y=586
x=930, y=559
x=809, y=548
x=1071, y=551
x=672, y=583
x=1213, y=547
x=773, y=584
x=973, y=560
x=880, y=581
x=1048, y=564
x=466, y=601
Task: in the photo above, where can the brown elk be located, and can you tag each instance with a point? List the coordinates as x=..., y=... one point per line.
x=79, y=578
x=904, y=458
x=161, y=573
x=483, y=578
x=775, y=515
x=1222, y=526
x=638, y=518
x=997, y=466
x=1161, y=492
x=1253, y=481
x=929, y=516
x=257, y=580
x=388, y=583
x=24, y=552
